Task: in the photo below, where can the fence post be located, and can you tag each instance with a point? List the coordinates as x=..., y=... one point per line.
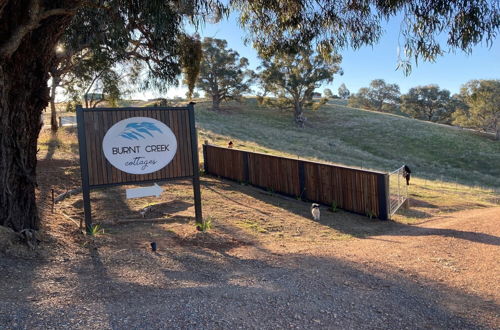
x=205, y=158
x=302, y=180
x=196, y=165
x=383, y=196
x=84, y=169
x=246, y=174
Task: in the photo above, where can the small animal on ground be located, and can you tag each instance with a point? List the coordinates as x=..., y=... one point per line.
x=230, y=144
x=145, y=210
x=315, y=211
x=406, y=174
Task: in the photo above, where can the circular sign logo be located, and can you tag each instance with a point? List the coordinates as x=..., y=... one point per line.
x=139, y=145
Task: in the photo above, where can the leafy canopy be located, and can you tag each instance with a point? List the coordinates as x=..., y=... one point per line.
x=428, y=103
x=379, y=96
x=223, y=74
x=283, y=25
x=482, y=106
x=344, y=92
x=291, y=78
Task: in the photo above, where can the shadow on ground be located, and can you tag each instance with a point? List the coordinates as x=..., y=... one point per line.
x=186, y=285
x=353, y=224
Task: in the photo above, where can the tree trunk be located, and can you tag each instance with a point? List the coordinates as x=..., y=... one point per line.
x=299, y=114
x=53, y=114
x=215, y=101
x=24, y=67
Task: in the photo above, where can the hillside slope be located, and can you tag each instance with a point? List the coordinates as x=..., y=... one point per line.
x=355, y=137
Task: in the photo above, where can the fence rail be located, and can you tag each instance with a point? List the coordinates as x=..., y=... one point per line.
x=356, y=190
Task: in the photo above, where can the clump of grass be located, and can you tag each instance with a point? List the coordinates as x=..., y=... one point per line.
x=204, y=225
x=94, y=230
x=334, y=207
x=255, y=226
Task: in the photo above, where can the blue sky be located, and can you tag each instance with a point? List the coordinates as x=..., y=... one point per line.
x=379, y=61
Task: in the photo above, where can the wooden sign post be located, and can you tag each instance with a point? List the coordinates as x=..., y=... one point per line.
x=123, y=146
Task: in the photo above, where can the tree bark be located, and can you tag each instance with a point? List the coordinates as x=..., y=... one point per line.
x=23, y=96
x=53, y=113
x=215, y=101
x=299, y=114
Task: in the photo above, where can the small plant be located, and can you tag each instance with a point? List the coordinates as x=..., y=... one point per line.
x=334, y=207
x=270, y=191
x=370, y=214
x=204, y=225
x=301, y=194
x=94, y=230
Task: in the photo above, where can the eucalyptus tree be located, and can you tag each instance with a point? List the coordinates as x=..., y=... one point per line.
x=481, y=110
x=328, y=93
x=291, y=78
x=223, y=74
x=31, y=29
x=428, y=103
x=344, y=92
x=379, y=96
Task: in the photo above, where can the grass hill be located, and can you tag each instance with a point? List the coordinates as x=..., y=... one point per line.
x=355, y=137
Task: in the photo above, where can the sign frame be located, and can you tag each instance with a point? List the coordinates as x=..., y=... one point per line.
x=84, y=159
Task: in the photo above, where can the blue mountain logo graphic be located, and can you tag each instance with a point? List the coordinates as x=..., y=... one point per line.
x=136, y=131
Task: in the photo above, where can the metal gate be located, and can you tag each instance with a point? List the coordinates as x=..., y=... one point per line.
x=398, y=190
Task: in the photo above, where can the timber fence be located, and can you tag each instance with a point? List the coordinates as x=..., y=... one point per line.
x=351, y=189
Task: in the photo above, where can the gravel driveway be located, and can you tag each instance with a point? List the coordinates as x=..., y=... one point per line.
x=234, y=285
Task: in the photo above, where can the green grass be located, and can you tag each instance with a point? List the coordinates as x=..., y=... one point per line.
x=205, y=225
x=361, y=138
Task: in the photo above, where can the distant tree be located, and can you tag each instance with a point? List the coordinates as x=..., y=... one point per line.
x=292, y=78
x=482, y=106
x=344, y=92
x=223, y=74
x=328, y=93
x=428, y=103
x=379, y=97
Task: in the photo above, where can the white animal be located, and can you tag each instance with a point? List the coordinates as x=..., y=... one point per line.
x=315, y=211
x=145, y=210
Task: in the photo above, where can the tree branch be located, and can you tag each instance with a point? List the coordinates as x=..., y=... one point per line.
x=11, y=45
x=35, y=15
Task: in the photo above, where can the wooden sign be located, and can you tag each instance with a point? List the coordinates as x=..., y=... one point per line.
x=121, y=146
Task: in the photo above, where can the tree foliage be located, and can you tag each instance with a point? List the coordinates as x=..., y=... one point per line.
x=428, y=103
x=344, y=92
x=223, y=74
x=429, y=28
x=481, y=99
x=291, y=78
x=379, y=96
x=328, y=93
